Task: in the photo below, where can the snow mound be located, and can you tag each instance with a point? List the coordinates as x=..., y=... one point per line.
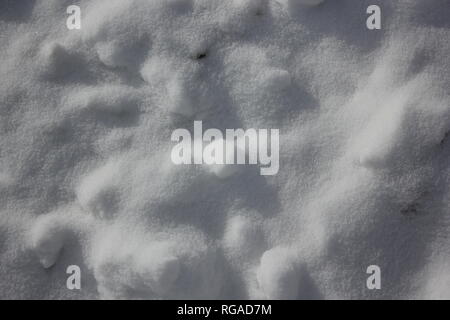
x=116, y=100
x=176, y=86
x=251, y=7
x=51, y=232
x=86, y=177
x=293, y=5
x=279, y=274
x=47, y=240
x=243, y=237
x=169, y=185
x=408, y=124
x=57, y=61
x=226, y=168
x=158, y=267
x=124, y=266
x=99, y=191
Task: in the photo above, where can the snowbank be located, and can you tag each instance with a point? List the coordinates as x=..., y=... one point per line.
x=86, y=178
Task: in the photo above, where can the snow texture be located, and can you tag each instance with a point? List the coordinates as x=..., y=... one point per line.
x=86, y=177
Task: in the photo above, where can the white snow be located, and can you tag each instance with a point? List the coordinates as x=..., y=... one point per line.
x=86, y=176
x=98, y=191
x=279, y=274
x=291, y=5
x=5, y=180
x=158, y=268
x=47, y=240
x=243, y=237
x=226, y=168
x=129, y=264
x=108, y=99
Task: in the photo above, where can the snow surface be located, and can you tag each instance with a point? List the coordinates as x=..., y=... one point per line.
x=86, y=177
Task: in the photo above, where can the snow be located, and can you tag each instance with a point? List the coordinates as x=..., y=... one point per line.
x=291, y=5
x=226, y=168
x=278, y=274
x=56, y=61
x=97, y=192
x=243, y=236
x=5, y=179
x=47, y=240
x=158, y=267
x=133, y=265
x=86, y=176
